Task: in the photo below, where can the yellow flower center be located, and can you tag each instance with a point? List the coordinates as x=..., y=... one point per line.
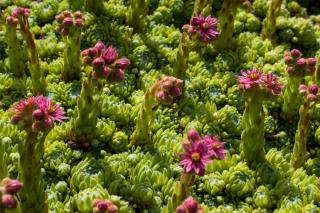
x=195, y=156
x=205, y=25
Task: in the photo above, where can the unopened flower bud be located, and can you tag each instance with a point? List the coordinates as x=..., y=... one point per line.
x=193, y=135
x=295, y=53
x=38, y=114
x=181, y=209
x=78, y=14
x=162, y=96
x=311, y=97
x=15, y=119
x=191, y=204
x=8, y=201
x=92, y=52
x=12, y=186
x=18, y=12
x=311, y=61
x=313, y=89
x=290, y=70
x=122, y=63
x=301, y=62
x=86, y=60
x=288, y=60
x=79, y=23
x=67, y=22
x=110, y=55
x=175, y=91
x=98, y=63
x=303, y=89
x=64, y=32
x=112, y=208
x=59, y=18
x=11, y=20
x=99, y=46
x=66, y=14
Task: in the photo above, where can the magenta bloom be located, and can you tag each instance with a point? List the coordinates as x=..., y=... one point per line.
x=37, y=113
x=250, y=79
x=104, y=206
x=196, y=158
x=204, y=27
x=216, y=146
x=272, y=84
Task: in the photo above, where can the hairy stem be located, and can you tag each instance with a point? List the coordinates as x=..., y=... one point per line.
x=252, y=137
x=269, y=24
x=300, y=146
x=32, y=195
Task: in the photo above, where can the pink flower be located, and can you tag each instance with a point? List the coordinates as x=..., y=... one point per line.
x=37, y=113
x=250, y=79
x=272, y=84
x=196, y=158
x=204, y=27
x=216, y=146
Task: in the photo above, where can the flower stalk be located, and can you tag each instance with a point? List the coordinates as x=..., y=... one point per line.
x=269, y=24
x=198, y=153
x=257, y=88
x=226, y=19
x=15, y=55
x=37, y=75
x=202, y=7
x=161, y=92
x=200, y=30
x=297, y=69
x=102, y=65
x=311, y=97
x=70, y=26
x=136, y=16
x=36, y=116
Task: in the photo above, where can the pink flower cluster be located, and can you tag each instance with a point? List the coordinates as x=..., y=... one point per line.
x=167, y=88
x=69, y=22
x=255, y=80
x=190, y=205
x=17, y=13
x=37, y=113
x=312, y=92
x=105, y=62
x=298, y=66
x=199, y=151
x=104, y=206
x=9, y=188
x=203, y=27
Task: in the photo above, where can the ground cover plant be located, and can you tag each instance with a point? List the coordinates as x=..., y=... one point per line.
x=166, y=106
